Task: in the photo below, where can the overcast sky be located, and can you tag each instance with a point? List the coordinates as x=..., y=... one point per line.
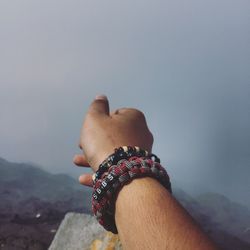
x=186, y=64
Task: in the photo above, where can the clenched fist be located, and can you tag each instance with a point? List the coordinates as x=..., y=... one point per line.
x=103, y=131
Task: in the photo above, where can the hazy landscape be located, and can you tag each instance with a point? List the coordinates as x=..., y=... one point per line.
x=33, y=203
x=185, y=64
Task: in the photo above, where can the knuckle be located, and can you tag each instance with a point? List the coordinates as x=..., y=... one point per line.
x=137, y=112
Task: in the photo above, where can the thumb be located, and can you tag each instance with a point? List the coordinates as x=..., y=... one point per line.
x=100, y=105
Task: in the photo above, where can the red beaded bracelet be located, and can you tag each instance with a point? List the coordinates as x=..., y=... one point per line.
x=107, y=187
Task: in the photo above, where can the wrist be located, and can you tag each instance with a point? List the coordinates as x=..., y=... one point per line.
x=103, y=154
x=139, y=193
x=99, y=157
x=119, y=169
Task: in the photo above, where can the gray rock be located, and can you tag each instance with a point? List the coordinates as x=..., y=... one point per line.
x=77, y=232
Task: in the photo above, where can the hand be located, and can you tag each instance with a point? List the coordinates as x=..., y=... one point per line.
x=103, y=131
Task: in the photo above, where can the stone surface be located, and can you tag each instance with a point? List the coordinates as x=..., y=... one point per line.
x=82, y=232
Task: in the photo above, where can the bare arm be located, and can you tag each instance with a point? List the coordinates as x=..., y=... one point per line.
x=147, y=216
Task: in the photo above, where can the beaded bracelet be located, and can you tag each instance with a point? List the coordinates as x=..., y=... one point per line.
x=107, y=188
x=124, y=152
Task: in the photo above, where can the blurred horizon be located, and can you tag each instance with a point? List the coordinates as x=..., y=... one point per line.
x=186, y=65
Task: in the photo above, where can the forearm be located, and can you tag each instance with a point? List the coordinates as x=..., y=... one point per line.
x=148, y=217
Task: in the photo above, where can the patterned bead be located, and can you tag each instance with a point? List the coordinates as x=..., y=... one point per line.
x=124, y=152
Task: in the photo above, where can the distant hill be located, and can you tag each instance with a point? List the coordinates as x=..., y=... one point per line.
x=225, y=221
x=22, y=182
x=227, y=215
x=33, y=203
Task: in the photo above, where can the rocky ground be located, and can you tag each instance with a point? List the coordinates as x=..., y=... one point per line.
x=34, y=202
x=30, y=231
x=33, y=236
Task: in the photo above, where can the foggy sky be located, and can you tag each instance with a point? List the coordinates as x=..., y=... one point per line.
x=184, y=63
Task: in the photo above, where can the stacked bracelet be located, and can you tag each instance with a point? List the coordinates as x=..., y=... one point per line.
x=107, y=187
x=120, y=153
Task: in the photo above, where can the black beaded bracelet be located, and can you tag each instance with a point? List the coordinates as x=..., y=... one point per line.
x=124, y=152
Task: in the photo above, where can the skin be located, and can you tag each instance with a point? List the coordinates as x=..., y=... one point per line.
x=147, y=216
x=103, y=131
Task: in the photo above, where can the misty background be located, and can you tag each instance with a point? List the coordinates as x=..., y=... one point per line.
x=185, y=64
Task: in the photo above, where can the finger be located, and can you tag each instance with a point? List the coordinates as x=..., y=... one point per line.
x=86, y=179
x=100, y=106
x=81, y=161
